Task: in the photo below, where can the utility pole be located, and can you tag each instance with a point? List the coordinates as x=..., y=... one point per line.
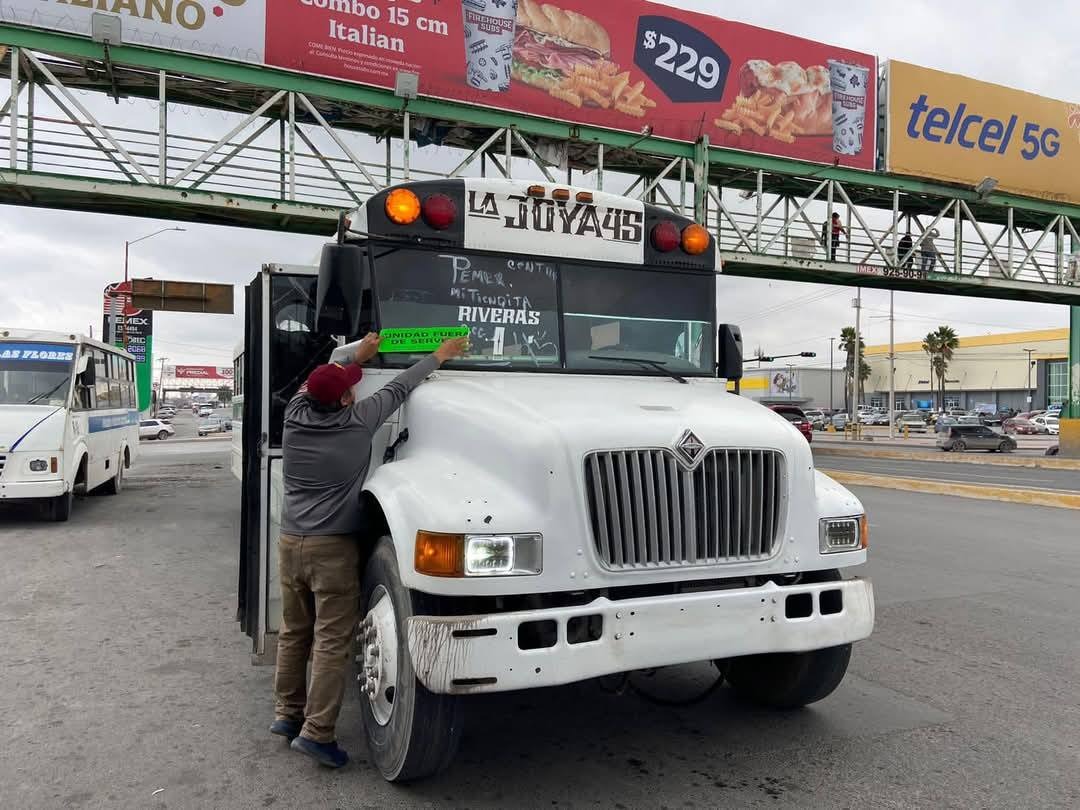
x=790, y=381
x=831, y=374
x=1031, y=393
x=856, y=367
x=892, y=370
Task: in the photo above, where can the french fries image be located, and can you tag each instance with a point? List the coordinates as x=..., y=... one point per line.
x=760, y=113
x=603, y=85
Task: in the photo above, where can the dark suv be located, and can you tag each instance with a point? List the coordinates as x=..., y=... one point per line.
x=975, y=437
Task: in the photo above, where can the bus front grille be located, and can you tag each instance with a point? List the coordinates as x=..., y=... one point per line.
x=3, y=462
x=647, y=509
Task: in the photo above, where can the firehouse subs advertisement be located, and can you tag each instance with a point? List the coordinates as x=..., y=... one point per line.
x=629, y=65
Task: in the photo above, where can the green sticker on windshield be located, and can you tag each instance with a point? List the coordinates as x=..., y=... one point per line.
x=418, y=340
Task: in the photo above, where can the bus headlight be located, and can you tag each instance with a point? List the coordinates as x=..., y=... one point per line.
x=38, y=465
x=843, y=534
x=479, y=555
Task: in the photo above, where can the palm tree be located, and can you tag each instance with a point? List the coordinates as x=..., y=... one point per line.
x=847, y=344
x=940, y=346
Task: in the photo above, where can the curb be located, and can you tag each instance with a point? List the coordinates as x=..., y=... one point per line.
x=1029, y=497
x=1031, y=462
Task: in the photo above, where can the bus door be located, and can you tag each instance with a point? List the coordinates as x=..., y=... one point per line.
x=281, y=347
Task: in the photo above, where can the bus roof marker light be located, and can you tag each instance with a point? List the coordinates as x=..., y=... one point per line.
x=584, y=197
x=439, y=211
x=561, y=194
x=665, y=236
x=402, y=206
x=695, y=239
x=536, y=191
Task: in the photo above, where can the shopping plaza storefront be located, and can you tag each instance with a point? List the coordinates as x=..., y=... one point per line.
x=1003, y=371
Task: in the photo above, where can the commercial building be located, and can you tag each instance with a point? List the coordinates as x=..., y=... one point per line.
x=794, y=385
x=1003, y=371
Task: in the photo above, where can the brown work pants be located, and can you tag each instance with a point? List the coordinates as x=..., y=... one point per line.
x=320, y=594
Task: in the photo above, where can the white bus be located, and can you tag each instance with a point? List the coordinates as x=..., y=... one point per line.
x=69, y=417
x=579, y=496
x=237, y=415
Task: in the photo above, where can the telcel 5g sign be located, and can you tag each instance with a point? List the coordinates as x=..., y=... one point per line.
x=961, y=130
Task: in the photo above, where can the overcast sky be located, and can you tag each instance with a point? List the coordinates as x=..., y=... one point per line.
x=53, y=264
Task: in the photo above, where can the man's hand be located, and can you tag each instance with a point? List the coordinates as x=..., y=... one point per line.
x=368, y=348
x=452, y=348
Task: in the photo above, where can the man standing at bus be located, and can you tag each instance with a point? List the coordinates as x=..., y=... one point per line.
x=326, y=456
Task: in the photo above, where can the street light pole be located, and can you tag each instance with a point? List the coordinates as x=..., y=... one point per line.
x=1031, y=393
x=127, y=253
x=892, y=370
x=790, y=381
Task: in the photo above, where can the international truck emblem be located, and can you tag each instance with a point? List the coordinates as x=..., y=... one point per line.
x=689, y=447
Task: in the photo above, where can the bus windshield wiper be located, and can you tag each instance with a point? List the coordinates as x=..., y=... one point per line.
x=654, y=364
x=37, y=397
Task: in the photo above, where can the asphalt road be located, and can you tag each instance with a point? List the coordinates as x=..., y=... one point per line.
x=1045, y=480
x=127, y=683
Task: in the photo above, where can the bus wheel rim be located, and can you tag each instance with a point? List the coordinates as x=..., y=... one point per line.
x=379, y=645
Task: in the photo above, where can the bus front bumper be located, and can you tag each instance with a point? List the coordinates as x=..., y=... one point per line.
x=20, y=490
x=471, y=654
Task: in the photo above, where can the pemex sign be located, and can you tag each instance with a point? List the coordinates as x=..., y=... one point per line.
x=132, y=330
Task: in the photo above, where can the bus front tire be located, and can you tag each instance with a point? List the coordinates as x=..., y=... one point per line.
x=419, y=731
x=59, y=508
x=790, y=680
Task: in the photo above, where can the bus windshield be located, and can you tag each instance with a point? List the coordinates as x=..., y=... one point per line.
x=537, y=313
x=35, y=373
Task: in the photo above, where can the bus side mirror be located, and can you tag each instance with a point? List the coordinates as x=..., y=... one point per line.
x=340, y=293
x=86, y=373
x=729, y=355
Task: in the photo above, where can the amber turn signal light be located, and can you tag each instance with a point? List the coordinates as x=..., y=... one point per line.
x=402, y=206
x=864, y=532
x=695, y=239
x=440, y=555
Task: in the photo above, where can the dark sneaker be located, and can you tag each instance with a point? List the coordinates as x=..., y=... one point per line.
x=327, y=754
x=286, y=728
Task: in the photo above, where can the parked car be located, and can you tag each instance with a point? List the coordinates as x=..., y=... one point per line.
x=797, y=418
x=205, y=410
x=878, y=418
x=1047, y=424
x=1018, y=425
x=975, y=437
x=166, y=413
x=840, y=420
x=817, y=419
x=914, y=421
x=214, y=424
x=155, y=429
x=968, y=419
x=943, y=424
x=994, y=419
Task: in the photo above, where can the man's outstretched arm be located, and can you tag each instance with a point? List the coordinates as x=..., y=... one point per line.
x=377, y=408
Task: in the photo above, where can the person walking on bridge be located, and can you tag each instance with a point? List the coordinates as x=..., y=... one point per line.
x=326, y=455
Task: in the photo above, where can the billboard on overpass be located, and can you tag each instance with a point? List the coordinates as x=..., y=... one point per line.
x=960, y=130
x=623, y=66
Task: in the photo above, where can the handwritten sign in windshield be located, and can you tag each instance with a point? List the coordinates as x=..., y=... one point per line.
x=418, y=340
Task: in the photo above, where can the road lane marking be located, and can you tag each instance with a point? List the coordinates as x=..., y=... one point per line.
x=1031, y=497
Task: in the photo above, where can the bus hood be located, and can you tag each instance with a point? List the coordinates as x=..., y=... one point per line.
x=487, y=414
x=20, y=426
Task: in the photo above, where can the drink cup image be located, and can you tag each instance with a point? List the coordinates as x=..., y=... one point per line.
x=490, y=26
x=848, y=83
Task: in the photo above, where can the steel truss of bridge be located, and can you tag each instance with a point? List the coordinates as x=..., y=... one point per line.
x=130, y=130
